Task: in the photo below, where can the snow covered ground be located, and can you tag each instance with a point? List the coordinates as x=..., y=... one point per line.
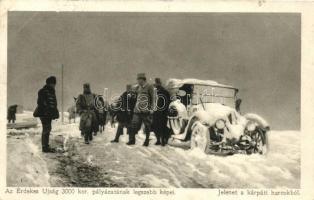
x=117, y=165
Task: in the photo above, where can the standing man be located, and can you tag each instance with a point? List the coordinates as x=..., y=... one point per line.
x=144, y=108
x=12, y=114
x=47, y=110
x=237, y=105
x=85, y=106
x=160, y=116
x=123, y=111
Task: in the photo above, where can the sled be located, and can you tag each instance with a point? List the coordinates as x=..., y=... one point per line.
x=31, y=123
x=179, y=143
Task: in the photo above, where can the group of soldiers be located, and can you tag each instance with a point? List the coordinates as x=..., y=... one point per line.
x=141, y=105
x=136, y=106
x=146, y=105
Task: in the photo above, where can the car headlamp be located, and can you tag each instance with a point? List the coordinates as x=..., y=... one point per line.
x=220, y=124
x=173, y=112
x=251, y=127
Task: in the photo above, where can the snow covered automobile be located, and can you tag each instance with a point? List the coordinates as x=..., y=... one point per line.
x=204, y=114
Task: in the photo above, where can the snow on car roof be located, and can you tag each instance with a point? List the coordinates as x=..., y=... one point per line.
x=176, y=83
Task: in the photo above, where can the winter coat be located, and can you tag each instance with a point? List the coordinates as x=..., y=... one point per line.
x=47, y=103
x=101, y=112
x=12, y=112
x=145, y=99
x=160, y=115
x=101, y=117
x=126, y=104
x=85, y=106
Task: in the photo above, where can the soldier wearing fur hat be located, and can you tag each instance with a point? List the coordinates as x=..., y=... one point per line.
x=47, y=110
x=86, y=108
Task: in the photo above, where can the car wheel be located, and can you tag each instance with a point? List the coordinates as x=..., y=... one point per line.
x=177, y=125
x=261, y=142
x=199, y=136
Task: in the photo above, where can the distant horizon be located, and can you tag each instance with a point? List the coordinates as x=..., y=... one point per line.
x=258, y=53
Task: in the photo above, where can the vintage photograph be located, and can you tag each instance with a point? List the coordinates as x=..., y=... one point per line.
x=153, y=99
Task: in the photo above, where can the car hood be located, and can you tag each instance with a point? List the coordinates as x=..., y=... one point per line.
x=211, y=112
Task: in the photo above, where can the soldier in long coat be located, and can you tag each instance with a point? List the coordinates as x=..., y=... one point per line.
x=160, y=115
x=86, y=108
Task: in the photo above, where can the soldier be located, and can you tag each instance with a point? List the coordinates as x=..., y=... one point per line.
x=85, y=106
x=47, y=110
x=143, y=110
x=160, y=115
x=237, y=105
x=12, y=114
x=123, y=111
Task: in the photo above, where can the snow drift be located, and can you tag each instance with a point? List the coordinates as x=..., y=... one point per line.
x=120, y=165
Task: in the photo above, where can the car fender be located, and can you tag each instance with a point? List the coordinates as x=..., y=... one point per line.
x=182, y=112
x=258, y=119
x=206, y=118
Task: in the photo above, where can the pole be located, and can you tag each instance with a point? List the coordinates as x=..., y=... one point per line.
x=62, y=94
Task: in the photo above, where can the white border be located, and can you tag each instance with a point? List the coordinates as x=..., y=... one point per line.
x=307, y=69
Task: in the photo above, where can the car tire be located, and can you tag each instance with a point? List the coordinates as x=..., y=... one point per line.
x=261, y=139
x=200, y=137
x=177, y=126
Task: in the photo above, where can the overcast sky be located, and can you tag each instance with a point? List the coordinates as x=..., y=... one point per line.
x=258, y=53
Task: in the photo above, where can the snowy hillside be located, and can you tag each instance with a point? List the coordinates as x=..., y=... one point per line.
x=118, y=165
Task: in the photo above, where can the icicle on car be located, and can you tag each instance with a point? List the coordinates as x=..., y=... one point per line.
x=204, y=114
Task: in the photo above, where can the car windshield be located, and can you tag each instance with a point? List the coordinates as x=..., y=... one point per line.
x=210, y=94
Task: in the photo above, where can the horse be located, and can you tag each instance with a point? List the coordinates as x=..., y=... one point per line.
x=101, y=113
x=72, y=111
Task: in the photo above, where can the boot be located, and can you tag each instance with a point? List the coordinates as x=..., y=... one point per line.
x=131, y=138
x=48, y=150
x=146, y=143
x=116, y=138
x=87, y=137
x=158, y=140
x=164, y=141
x=131, y=143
